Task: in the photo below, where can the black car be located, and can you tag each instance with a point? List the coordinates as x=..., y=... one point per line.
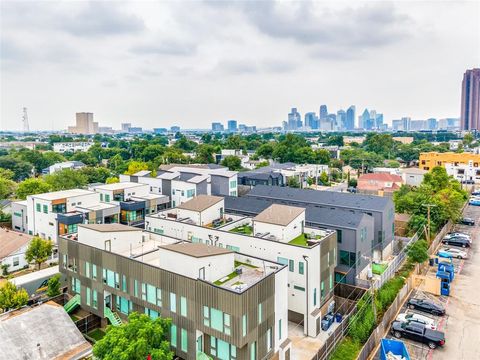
x=476, y=193
x=418, y=332
x=467, y=221
x=457, y=241
x=426, y=306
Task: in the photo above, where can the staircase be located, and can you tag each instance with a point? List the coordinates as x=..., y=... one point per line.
x=72, y=303
x=112, y=316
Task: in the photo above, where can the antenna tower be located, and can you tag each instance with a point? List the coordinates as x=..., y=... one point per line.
x=26, y=127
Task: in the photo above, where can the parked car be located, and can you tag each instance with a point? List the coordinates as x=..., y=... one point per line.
x=418, y=332
x=418, y=318
x=474, y=202
x=457, y=241
x=467, y=221
x=457, y=234
x=476, y=192
x=427, y=306
x=327, y=321
x=470, y=182
x=453, y=253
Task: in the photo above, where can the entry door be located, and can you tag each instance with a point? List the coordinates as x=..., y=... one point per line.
x=200, y=343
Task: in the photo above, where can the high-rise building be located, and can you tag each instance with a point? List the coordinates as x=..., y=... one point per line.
x=232, y=125
x=365, y=120
x=341, y=119
x=470, y=112
x=294, y=120
x=311, y=120
x=406, y=123
x=126, y=127
x=175, y=128
x=350, y=118
x=323, y=112
x=432, y=124
x=217, y=127
x=379, y=121
x=84, y=124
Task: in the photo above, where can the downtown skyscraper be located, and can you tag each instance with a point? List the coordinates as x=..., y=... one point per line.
x=470, y=112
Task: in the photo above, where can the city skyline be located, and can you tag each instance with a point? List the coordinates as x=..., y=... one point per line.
x=124, y=65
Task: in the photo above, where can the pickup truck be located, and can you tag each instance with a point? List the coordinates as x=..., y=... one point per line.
x=418, y=332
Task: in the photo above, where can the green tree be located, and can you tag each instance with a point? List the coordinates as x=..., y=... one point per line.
x=418, y=252
x=152, y=151
x=85, y=157
x=7, y=188
x=323, y=178
x=135, y=340
x=293, y=182
x=262, y=164
x=437, y=178
x=393, y=164
x=6, y=174
x=335, y=140
x=21, y=169
x=32, y=186
x=322, y=156
x=232, y=162
x=95, y=174
x=468, y=139
x=136, y=166
x=204, y=154
x=53, y=286
x=112, y=180
x=66, y=179
x=11, y=297
x=38, y=251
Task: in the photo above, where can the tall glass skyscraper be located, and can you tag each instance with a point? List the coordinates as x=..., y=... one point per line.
x=470, y=113
x=350, y=118
x=232, y=125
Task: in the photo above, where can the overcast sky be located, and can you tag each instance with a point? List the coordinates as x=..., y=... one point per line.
x=156, y=64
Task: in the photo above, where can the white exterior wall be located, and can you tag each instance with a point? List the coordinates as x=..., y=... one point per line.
x=216, y=267
x=281, y=306
x=212, y=213
x=177, y=188
x=19, y=223
x=17, y=255
x=412, y=179
x=121, y=240
x=154, y=184
x=233, y=185
x=62, y=147
x=469, y=171
x=282, y=233
x=269, y=250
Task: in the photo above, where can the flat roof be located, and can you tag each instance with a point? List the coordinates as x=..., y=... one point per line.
x=200, y=203
x=168, y=175
x=11, y=241
x=54, y=195
x=99, y=206
x=119, y=186
x=279, y=214
x=142, y=173
x=196, y=250
x=42, y=332
x=336, y=199
x=109, y=227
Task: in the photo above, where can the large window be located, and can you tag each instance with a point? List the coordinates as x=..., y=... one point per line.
x=76, y=285
x=222, y=350
x=300, y=267
x=282, y=260
x=87, y=269
x=151, y=313
x=38, y=207
x=95, y=299
x=190, y=193
x=173, y=335
x=217, y=320
x=123, y=305
x=291, y=265
x=183, y=306
x=339, y=236
x=184, y=340
x=59, y=208
x=347, y=258
x=94, y=271
x=173, y=302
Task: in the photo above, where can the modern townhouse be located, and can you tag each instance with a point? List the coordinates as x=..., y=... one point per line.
x=380, y=208
x=277, y=234
x=50, y=214
x=181, y=183
x=355, y=232
x=223, y=304
x=134, y=199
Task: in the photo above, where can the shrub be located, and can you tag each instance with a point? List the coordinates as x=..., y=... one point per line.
x=348, y=349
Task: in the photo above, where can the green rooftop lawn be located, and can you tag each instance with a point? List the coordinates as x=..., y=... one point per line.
x=378, y=269
x=243, y=229
x=300, y=240
x=229, y=277
x=96, y=334
x=238, y=263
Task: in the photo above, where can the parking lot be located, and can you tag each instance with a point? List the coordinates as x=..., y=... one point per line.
x=461, y=323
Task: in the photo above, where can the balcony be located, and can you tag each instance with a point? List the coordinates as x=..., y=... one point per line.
x=70, y=218
x=132, y=205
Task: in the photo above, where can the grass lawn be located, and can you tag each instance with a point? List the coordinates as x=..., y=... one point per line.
x=96, y=334
x=228, y=277
x=299, y=240
x=244, y=229
x=378, y=269
x=238, y=263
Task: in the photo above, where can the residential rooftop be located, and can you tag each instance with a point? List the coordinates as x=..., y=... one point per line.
x=11, y=241
x=196, y=250
x=118, y=186
x=55, y=195
x=277, y=214
x=337, y=199
x=200, y=202
x=42, y=332
x=109, y=227
x=381, y=177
